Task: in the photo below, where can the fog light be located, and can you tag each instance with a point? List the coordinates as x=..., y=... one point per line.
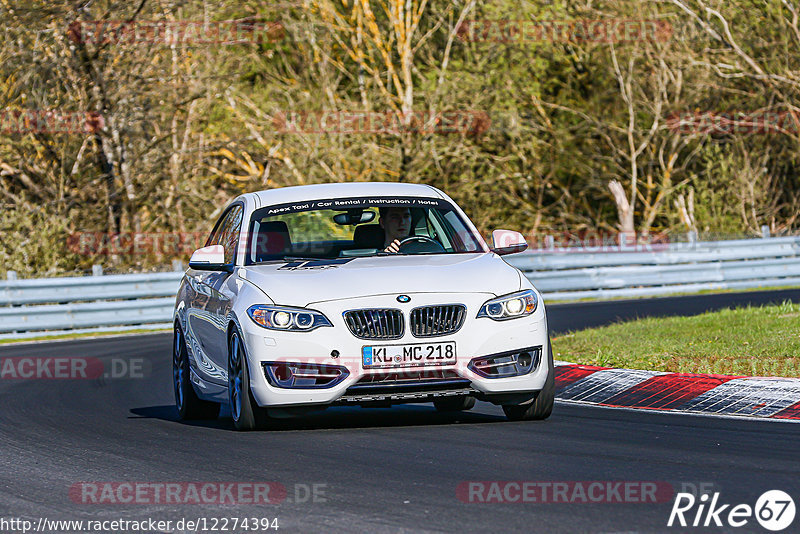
x=524, y=363
x=506, y=364
x=303, y=375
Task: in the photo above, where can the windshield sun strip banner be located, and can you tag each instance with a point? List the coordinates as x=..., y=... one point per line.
x=344, y=204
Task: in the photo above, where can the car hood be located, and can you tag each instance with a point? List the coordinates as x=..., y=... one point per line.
x=300, y=282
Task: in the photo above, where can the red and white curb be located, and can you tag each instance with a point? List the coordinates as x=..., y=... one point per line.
x=773, y=397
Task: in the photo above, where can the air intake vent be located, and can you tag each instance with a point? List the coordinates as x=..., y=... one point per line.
x=375, y=324
x=430, y=321
x=402, y=376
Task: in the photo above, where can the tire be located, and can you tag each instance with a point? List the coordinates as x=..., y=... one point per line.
x=541, y=407
x=246, y=414
x=190, y=406
x=454, y=404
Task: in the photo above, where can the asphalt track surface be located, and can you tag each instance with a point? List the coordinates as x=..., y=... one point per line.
x=376, y=470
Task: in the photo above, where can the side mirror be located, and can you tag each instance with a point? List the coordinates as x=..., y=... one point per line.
x=508, y=242
x=210, y=258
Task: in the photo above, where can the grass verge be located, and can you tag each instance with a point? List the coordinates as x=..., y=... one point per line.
x=679, y=294
x=750, y=341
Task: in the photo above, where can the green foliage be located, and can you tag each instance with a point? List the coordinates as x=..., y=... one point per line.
x=33, y=242
x=189, y=126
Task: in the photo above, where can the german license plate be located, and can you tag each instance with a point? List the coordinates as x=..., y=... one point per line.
x=416, y=355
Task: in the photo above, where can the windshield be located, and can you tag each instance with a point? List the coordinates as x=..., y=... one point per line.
x=357, y=227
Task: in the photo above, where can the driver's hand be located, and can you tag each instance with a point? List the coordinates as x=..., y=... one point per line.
x=394, y=247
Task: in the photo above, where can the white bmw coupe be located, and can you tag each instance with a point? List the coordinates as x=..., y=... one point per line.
x=367, y=294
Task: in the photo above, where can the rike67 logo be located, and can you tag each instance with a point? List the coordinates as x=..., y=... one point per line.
x=774, y=510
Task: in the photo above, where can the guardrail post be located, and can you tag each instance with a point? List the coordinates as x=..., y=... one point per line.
x=177, y=266
x=97, y=270
x=764, y=231
x=11, y=275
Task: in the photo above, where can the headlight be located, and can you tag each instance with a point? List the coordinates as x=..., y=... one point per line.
x=510, y=306
x=284, y=318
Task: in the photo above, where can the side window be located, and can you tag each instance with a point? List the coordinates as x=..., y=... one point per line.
x=227, y=232
x=213, y=238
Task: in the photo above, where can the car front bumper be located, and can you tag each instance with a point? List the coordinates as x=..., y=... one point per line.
x=336, y=346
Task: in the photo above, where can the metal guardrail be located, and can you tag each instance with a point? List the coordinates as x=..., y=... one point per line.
x=86, y=302
x=120, y=301
x=88, y=314
x=88, y=288
x=571, y=274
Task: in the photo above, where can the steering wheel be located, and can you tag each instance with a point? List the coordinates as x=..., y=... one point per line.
x=419, y=243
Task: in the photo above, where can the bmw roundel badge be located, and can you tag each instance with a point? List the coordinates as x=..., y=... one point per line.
x=403, y=298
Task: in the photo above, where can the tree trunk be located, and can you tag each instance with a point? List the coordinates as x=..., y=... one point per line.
x=624, y=208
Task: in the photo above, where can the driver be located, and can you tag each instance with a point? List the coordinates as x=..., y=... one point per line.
x=396, y=224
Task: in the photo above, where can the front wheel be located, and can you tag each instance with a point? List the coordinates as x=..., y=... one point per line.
x=542, y=406
x=190, y=406
x=246, y=414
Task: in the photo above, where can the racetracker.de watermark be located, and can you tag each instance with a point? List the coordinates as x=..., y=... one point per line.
x=468, y=122
x=564, y=492
x=734, y=122
x=565, y=31
x=71, y=368
x=49, y=121
x=195, y=492
x=587, y=241
x=175, y=32
x=177, y=493
x=135, y=243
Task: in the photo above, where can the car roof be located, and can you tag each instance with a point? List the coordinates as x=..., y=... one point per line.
x=342, y=190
